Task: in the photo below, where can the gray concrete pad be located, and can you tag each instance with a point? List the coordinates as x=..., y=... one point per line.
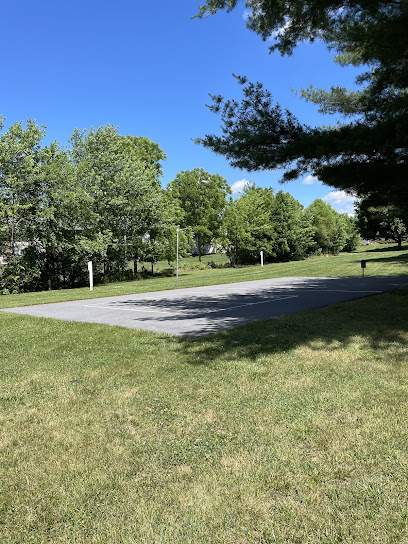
x=200, y=310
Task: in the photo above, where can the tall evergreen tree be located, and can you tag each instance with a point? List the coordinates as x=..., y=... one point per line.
x=367, y=154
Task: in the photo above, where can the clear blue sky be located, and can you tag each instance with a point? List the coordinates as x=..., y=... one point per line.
x=147, y=67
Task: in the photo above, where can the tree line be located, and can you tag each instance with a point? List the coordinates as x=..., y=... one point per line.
x=100, y=199
x=282, y=228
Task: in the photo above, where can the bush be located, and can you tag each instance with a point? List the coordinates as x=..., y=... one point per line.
x=18, y=277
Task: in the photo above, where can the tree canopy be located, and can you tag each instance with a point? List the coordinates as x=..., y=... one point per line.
x=378, y=220
x=202, y=197
x=367, y=153
x=98, y=199
x=258, y=220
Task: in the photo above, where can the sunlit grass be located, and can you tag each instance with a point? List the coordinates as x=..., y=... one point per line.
x=291, y=430
x=381, y=261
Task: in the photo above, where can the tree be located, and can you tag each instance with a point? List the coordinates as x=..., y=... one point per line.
x=247, y=226
x=375, y=220
x=330, y=228
x=42, y=210
x=367, y=154
x=121, y=175
x=293, y=228
x=145, y=150
x=399, y=230
x=257, y=220
x=61, y=237
x=161, y=239
x=20, y=159
x=202, y=197
x=101, y=199
x=352, y=236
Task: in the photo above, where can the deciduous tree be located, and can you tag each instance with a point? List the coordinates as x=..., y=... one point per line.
x=247, y=226
x=121, y=175
x=376, y=220
x=293, y=228
x=202, y=197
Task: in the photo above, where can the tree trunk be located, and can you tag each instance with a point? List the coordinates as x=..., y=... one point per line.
x=135, y=265
x=12, y=252
x=399, y=242
x=199, y=249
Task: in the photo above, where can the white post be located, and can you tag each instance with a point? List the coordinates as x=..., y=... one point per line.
x=90, y=275
x=177, y=252
x=261, y=258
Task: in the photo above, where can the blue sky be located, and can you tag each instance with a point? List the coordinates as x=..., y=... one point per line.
x=147, y=67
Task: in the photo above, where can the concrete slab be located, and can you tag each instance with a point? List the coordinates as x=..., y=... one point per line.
x=201, y=310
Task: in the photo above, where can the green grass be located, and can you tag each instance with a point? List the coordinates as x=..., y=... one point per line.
x=291, y=430
x=381, y=261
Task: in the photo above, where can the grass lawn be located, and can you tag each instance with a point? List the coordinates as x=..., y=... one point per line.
x=382, y=260
x=291, y=430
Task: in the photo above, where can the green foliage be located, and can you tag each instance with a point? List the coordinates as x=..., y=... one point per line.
x=293, y=228
x=247, y=227
x=333, y=232
x=368, y=154
x=101, y=200
x=324, y=225
x=145, y=150
x=20, y=159
x=399, y=229
x=125, y=192
x=376, y=220
x=161, y=240
x=352, y=236
x=278, y=225
x=202, y=197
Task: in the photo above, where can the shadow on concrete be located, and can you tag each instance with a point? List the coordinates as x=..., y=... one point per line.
x=381, y=322
x=220, y=309
x=200, y=314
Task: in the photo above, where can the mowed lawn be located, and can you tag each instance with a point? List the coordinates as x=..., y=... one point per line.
x=291, y=430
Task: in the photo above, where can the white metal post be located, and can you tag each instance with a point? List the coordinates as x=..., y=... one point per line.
x=90, y=275
x=177, y=252
x=261, y=258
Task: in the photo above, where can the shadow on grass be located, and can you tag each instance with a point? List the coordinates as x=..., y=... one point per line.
x=380, y=320
x=386, y=249
x=398, y=259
